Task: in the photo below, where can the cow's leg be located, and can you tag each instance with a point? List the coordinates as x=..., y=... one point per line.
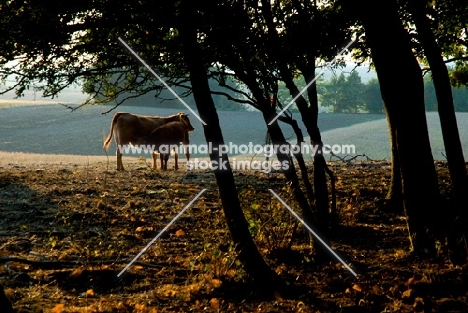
x=187, y=153
x=176, y=158
x=161, y=156
x=155, y=159
x=166, y=158
x=118, y=143
x=119, y=160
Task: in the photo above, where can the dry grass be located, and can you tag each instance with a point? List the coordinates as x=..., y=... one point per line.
x=21, y=158
x=30, y=159
x=35, y=159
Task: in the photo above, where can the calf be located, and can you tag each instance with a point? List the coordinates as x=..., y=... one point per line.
x=170, y=135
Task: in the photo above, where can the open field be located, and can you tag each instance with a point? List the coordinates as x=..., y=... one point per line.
x=55, y=130
x=371, y=138
x=48, y=129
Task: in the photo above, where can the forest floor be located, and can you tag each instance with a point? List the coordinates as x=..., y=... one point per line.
x=68, y=231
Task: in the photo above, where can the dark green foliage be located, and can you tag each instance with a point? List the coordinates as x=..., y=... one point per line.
x=460, y=96
x=459, y=75
x=347, y=94
x=372, y=98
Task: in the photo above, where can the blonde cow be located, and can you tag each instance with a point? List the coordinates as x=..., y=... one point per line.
x=133, y=129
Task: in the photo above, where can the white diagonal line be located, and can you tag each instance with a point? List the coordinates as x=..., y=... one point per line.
x=313, y=80
x=160, y=79
x=161, y=232
x=313, y=233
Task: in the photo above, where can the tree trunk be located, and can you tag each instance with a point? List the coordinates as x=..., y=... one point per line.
x=448, y=120
x=309, y=120
x=300, y=158
x=310, y=117
x=5, y=303
x=320, y=181
x=402, y=89
x=277, y=138
x=249, y=255
x=245, y=72
x=394, y=194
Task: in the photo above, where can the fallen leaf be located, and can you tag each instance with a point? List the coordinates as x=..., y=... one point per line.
x=76, y=273
x=357, y=287
x=408, y=293
x=139, y=307
x=376, y=289
x=91, y=309
x=216, y=283
x=89, y=293
x=214, y=303
x=418, y=299
x=180, y=233
x=58, y=308
x=170, y=293
x=418, y=305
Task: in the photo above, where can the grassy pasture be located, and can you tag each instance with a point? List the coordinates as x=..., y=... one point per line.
x=55, y=130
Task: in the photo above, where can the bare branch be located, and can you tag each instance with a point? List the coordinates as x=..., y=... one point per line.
x=228, y=96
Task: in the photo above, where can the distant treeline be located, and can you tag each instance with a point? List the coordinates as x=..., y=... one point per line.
x=460, y=96
x=339, y=94
x=347, y=94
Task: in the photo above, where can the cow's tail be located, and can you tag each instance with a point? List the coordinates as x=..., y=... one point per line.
x=109, y=138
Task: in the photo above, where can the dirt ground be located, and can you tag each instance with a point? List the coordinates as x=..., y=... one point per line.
x=68, y=231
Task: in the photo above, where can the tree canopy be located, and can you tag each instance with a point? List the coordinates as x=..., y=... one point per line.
x=53, y=46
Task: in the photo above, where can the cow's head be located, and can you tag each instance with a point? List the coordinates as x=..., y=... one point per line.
x=185, y=120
